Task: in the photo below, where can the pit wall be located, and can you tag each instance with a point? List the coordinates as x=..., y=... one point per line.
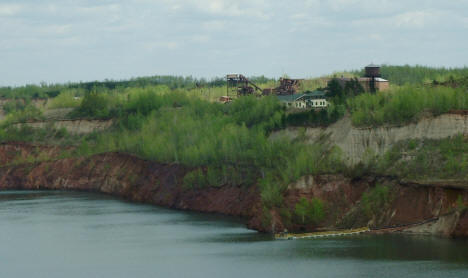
x=355, y=142
x=139, y=180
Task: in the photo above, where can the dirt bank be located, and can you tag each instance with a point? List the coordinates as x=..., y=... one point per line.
x=356, y=141
x=139, y=180
x=78, y=127
x=121, y=175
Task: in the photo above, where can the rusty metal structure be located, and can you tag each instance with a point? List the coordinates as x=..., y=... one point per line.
x=288, y=86
x=239, y=85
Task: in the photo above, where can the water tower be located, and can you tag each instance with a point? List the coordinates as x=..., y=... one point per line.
x=372, y=71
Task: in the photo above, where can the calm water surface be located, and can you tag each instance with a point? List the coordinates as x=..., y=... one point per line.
x=63, y=234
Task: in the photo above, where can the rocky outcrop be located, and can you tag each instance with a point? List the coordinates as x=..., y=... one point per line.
x=355, y=142
x=433, y=207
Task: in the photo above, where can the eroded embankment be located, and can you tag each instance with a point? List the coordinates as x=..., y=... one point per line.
x=121, y=175
x=355, y=142
x=407, y=207
x=78, y=127
x=139, y=180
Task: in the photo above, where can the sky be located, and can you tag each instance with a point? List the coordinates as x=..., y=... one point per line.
x=81, y=40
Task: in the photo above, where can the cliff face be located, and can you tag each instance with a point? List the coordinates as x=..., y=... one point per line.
x=433, y=207
x=121, y=175
x=409, y=208
x=78, y=127
x=356, y=141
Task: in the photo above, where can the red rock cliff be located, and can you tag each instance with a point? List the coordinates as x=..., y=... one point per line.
x=139, y=180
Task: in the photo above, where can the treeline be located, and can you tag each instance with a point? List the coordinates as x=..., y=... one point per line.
x=44, y=90
x=418, y=75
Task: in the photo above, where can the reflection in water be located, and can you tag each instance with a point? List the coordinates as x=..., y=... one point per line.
x=64, y=234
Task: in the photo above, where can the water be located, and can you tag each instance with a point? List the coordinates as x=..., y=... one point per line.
x=63, y=234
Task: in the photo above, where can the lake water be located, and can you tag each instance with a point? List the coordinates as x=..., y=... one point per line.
x=63, y=234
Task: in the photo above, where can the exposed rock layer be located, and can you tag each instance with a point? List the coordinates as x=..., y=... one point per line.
x=139, y=180
x=356, y=141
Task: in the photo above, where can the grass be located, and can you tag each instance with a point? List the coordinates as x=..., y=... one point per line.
x=404, y=105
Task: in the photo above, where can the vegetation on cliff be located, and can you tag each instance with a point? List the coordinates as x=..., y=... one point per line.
x=405, y=104
x=174, y=120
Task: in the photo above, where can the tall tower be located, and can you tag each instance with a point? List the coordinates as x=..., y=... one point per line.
x=372, y=72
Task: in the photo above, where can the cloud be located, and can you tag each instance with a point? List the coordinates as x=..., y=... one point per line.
x=219, y=8
x=413, y=19
x=168, y=45
x=9, y=9
x=117, y=38
x=214, y=25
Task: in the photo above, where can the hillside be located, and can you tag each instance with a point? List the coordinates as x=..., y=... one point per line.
x=354, y=163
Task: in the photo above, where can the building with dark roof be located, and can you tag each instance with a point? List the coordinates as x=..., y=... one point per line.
x=309, y=99
x=372, y=80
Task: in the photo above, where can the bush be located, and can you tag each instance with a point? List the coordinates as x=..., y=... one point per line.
x=66, y=99
x=403, y=105
x=309, y=212
x=194, y=179
x=94, y=105
x=375, y=200
x=427, y=159
x=27, y=113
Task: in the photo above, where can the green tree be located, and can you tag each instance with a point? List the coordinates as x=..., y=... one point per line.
x=353, y=88
x=310, y=211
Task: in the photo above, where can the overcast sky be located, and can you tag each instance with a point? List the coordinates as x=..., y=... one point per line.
x=80, y=40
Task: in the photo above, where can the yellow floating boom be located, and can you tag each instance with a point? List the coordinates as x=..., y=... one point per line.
x=322, y=234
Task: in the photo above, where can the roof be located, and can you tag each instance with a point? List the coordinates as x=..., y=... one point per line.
x=363, y=79
x=289, y=98
x=314, y=94
x=378, y=79
x=372, y=65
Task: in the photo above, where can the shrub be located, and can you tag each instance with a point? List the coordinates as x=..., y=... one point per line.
x=404, y=105
x=194, y=179
x=375, y=200
x=94, y=105
x=26, y=113
x=66, y=99
x=310, y=212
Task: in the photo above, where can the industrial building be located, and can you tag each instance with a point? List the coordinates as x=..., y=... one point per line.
x=371, y=82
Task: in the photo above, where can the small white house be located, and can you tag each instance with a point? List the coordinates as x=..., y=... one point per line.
x=315, y=100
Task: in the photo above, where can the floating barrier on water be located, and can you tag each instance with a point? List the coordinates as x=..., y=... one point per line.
x=322, y=234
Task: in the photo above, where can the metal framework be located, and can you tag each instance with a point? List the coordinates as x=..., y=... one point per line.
x=288, y=86
x=239, y=85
